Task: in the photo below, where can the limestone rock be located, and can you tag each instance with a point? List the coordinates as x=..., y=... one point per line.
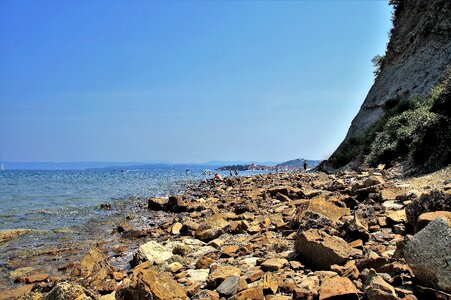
x=433, y=201
x=198, y=275
x=321, y=248
x=147, y=283
x=337, y=288
x=152, y=251
x=252, y=293
x=212, y=228
x=376, y=288
x=69, y=291
x=426, y=218
x=322, y=207
x=229, y=286
x=274, y=264
x=428, y=254
x=220, y=273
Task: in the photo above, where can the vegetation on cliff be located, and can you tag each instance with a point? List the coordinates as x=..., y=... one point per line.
x=415, y=130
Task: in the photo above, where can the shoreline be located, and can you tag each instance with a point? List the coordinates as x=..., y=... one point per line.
x=245, y=237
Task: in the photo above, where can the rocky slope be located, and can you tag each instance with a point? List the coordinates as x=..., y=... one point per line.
x=276, y=237
x=417, y=57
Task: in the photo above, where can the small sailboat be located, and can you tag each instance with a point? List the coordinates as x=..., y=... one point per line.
x=2, y=167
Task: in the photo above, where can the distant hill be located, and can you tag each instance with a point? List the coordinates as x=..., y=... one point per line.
x=299, y=163
x=239, y=162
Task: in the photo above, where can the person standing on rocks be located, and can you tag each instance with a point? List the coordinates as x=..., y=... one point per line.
x=305, y=165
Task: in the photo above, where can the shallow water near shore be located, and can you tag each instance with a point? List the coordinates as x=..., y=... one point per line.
x=62, y=208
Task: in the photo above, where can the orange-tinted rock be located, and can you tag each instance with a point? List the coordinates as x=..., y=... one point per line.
x=274, y=264
x=426, y=218
x=253, y=293
x=147, y=283
x=321, y=248
x=338, y=288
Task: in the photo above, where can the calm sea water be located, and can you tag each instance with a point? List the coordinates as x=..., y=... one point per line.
x=54, y=199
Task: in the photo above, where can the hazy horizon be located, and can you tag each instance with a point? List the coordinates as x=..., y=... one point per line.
x=184, y=81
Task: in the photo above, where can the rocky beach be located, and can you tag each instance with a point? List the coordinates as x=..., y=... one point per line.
x=366, y=234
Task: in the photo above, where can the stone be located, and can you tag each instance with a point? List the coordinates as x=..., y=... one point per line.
x=428, y=254
x=205, y=261
x=230, y=251
x=397, y=216
x=229, y=286
x=220, y=273
x=10, y=234
x=147, y=283
x=252, y=293
x=197, y=275
x=322, y=249
x=175, y=267
x=37, y=277
x=253, y=274
x=212, y=228
x=177, y=204
x=373, y=180
x=392, y=205
x=320, y=206
x=337, y=288
x=92, y=263
x=274, y=264
x=176, y=228
x=270, y=283
x=426, y=218
x=69, y=291
x=152, y=251
x=376, y=288
x=157, y=203
x=435, y=200
x=18, y=292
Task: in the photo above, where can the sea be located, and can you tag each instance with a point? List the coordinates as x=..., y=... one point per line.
x=52, y=199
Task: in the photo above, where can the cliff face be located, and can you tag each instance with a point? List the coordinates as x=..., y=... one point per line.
x=417, y=57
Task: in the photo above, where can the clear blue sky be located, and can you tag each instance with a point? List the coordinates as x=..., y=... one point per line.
x=183, y=81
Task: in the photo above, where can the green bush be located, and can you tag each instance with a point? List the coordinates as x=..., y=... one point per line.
x=419, y=131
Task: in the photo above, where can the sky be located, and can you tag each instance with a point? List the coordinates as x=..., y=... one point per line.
x=183, y=81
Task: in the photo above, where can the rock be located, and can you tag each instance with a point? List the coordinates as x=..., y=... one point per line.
x=270, y=283
x=253, y=274
x=229, y=286
x=321, y=248
x=157, y=203
x=177, y=204
x=428, y=254
x=220, y=273
x=37, y=277
x=376, y=288
x=337, y=288
x=10, y=234
x=147, y=283
x=320, y=206
x=433, y=201
x=230, y=251
x=176, y=228
x=392, y=205
x=252, y=293
x=397, y=216
x=93, y=263
x=152, y=251
x=426, y=218
x=69, y=291
x=175, y=267
x=212, y=228
x=17, y=292
x=373, y=180
x=198, y=275
x=274, y=264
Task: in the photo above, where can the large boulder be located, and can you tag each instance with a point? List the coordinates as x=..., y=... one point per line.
x=153, y=252
x=428, y=254
x=322, y=249
x=147, y=283
x=433, y=201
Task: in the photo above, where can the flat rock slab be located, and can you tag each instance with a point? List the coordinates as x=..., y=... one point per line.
x=322, y=249
x=338, y=288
